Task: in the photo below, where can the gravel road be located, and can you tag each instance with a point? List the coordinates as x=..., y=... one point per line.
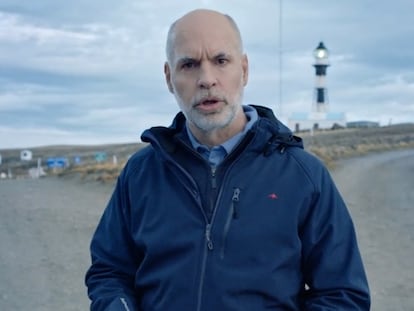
x=45, y=230
x=46, y=226
x=379, y=191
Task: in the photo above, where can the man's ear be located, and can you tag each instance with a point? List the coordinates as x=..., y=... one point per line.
x=167, y=73
x=245, y=67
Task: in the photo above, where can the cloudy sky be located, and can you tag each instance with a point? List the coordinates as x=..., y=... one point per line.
x=91, y=72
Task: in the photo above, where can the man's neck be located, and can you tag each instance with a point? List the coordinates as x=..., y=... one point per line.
x=218, y=136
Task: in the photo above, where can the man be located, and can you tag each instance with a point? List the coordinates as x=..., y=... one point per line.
x=224, y=210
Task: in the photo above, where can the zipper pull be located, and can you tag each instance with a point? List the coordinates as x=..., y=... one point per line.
x=208, y=237
x=234, y=199
x=213, y=177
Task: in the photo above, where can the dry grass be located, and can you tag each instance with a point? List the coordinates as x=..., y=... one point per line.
x=329, y=146
x=101, y=172
x=89, y=169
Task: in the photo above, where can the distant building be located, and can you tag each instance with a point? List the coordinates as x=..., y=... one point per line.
x=26, y=155
x=362, y=124
x=36, y=172
x=77, y=160
x=316, y=120
x=57, y=162
x=100, y=157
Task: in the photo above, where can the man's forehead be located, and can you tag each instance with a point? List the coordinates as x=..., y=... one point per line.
x=203, y=31
x=213, y=41
x=196, y=49
x=210, y=32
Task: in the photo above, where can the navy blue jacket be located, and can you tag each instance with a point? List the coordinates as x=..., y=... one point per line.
x=266, y=230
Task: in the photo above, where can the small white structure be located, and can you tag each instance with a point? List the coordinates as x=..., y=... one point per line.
x=36, y=172
x=26, y=155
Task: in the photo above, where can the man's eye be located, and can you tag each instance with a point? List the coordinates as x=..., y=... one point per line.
x=188, y=65
x=222, y=61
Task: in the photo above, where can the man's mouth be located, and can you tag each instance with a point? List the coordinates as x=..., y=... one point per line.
x=209, y=102
x=209, y=105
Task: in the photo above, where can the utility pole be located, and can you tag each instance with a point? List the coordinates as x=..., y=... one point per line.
x=280, y=56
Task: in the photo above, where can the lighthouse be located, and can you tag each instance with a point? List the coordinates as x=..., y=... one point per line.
x=320, y=100
x=319, y=117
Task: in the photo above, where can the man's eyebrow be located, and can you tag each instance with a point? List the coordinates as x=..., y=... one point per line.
x=222, y=54
x=186, y=59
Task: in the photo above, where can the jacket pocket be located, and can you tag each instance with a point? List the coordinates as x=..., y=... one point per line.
x=232, y=214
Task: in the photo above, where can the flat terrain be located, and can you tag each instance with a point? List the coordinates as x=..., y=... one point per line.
x=379, y=191
x=45, y=229
x=46, y=226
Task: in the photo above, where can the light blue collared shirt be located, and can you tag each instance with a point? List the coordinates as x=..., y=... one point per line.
x=216, y=154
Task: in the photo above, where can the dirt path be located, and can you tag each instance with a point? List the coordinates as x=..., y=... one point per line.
x=379, y=191
x=46, y=226
x=45, y=229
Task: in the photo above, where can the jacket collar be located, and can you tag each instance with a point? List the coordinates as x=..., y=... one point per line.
x=269, y=133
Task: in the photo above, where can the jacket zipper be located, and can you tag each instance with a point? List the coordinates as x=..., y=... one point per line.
x=213, y=184
x=208, y=237
x=209, y=221
x=125, y=304
x=213, y=177
x=203, y=268
x=233, y=214
x=209, y=247
x=209, y=242
x=234, y=200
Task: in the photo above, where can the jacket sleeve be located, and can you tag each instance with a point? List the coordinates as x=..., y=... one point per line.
x=110, y=278
x=333, y=269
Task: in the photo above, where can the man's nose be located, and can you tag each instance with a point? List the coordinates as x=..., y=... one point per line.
x=207, y=77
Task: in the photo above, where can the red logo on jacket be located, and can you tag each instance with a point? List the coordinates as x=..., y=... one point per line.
x=272, y=196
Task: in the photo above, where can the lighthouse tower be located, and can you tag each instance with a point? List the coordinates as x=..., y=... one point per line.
x=320, y=101
x=319, y=118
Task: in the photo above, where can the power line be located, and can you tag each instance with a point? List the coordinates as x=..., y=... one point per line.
x=280, y=56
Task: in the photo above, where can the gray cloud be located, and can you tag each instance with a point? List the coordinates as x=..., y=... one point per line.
x=91, y=71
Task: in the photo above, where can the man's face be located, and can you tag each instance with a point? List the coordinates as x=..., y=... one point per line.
x=207, y=71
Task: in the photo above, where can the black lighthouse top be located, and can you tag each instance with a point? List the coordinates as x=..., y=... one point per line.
x=321, y=56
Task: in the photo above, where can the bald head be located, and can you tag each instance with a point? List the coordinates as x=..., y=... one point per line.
x=197, y=21
x=207, y=72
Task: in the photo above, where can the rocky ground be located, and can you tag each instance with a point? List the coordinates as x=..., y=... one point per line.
x=378, y=190
x=45, y=229
x=329, y=145
x=46, y=226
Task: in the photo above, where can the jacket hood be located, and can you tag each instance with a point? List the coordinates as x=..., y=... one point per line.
x=280, y=135
x=273, y=133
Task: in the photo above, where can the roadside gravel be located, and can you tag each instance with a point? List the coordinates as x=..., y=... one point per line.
x=379, y=191
x=46, y=226
x=45, y=229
